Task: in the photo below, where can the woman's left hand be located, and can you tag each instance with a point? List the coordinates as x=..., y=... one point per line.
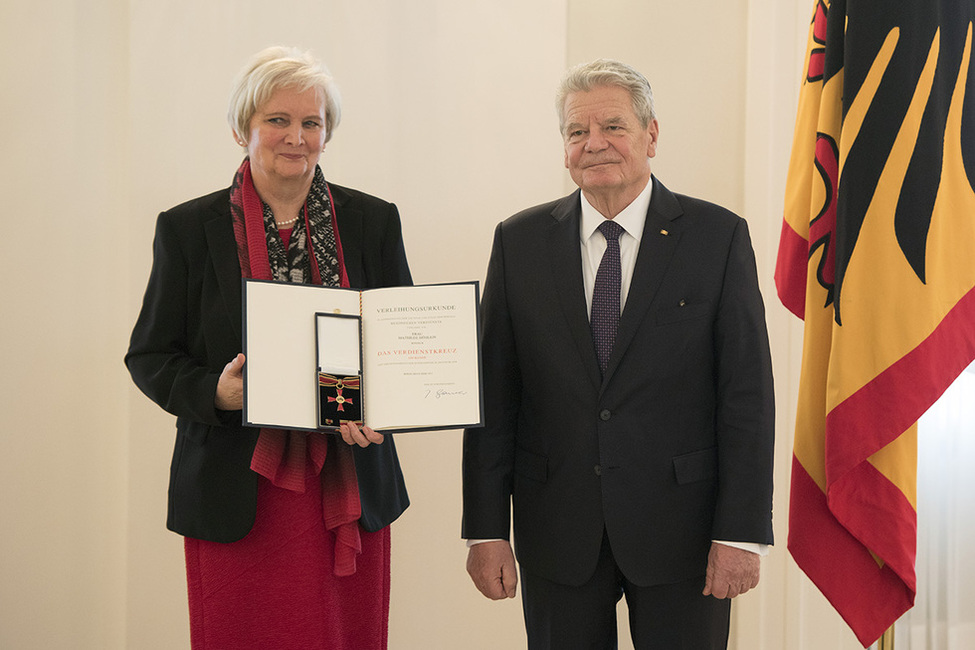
x=230, y=386
x=364, y=437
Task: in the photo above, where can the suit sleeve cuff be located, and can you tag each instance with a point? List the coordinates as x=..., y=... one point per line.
x=475, y=542
x=751, y=547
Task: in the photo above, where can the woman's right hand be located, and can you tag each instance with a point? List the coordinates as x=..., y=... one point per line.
x=230, y=386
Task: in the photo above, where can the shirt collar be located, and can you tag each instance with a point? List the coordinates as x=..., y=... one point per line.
x=632, y=218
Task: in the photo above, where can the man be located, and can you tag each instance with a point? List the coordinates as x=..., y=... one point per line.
x=628, y=394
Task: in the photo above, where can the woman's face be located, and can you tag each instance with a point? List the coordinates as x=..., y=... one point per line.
x=287, y=136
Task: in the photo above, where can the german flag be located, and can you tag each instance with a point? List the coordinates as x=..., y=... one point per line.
x=877, y=255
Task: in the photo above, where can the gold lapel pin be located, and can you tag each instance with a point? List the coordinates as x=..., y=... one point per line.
x=664, y=233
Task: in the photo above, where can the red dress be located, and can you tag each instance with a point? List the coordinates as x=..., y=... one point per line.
x=276, y=589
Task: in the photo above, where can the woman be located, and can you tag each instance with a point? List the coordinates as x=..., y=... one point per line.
x=286, y=533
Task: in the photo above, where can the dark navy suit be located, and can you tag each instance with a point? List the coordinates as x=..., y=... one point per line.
x=672, y=448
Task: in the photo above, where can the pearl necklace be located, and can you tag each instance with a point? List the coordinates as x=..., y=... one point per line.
x=285, y=224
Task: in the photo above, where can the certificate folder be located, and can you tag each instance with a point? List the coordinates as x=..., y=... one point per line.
x=393, y=358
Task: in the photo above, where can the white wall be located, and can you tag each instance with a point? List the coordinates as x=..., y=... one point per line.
x=114, y=110
x=64, y=318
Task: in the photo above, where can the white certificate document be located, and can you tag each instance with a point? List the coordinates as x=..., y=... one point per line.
x=417, y=351
x=420, y=356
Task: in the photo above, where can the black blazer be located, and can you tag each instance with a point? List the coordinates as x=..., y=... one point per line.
x=668, y=451
x=190, y=327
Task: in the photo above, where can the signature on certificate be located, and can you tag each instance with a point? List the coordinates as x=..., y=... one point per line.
x=443, y=392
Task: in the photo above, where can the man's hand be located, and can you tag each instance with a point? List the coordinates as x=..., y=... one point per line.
x=731, y=571
x=353, y=435
x=491, y=566
x=230, y=386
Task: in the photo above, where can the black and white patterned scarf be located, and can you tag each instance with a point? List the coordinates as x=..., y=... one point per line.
x=295, y=264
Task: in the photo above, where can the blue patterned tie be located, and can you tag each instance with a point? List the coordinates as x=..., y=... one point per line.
x=605, y=317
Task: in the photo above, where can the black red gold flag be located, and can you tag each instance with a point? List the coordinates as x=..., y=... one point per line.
x=877, y=255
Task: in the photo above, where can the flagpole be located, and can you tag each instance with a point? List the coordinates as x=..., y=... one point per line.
x=886, y=642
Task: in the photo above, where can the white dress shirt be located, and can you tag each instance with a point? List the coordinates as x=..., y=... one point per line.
x=631, y=219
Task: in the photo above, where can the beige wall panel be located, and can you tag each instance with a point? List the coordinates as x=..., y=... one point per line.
x=62, y=269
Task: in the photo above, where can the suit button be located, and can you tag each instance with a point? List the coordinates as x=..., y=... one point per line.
x=598, y=469
x=605, y=414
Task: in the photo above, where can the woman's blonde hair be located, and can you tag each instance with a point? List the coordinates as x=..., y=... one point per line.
x=280, y=67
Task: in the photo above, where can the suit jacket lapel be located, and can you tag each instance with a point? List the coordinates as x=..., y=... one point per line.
x=350, y=234
x=223, y=250
x=565, y=259
x=657, y=246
